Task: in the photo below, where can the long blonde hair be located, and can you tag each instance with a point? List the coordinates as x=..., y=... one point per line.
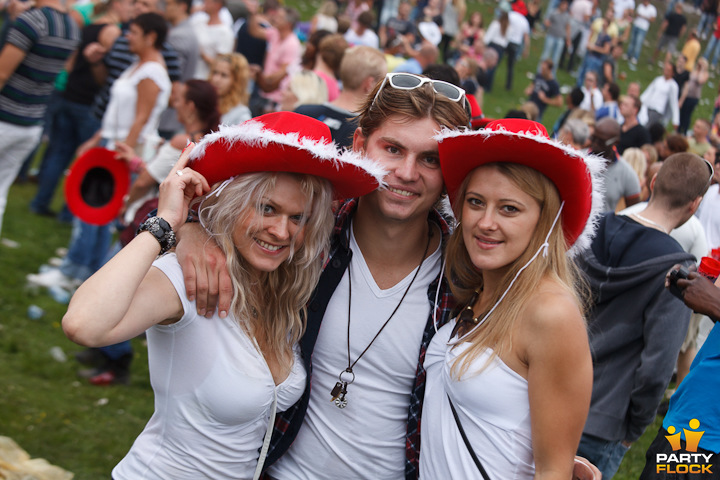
x=465, y=279
x=240, y=71
x=278, y=298
x=636, y=158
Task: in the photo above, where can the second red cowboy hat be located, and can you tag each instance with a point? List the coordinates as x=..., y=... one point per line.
x=96, y=186
x=577, y=177
x=284, y=142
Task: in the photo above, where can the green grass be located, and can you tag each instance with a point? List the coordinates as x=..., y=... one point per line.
x=86, y=429
x=499, y=101
x=43, y=405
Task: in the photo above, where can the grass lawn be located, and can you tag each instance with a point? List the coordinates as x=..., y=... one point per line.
x=86, y=429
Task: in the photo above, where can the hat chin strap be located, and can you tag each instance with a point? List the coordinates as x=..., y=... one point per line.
x=543, y=248
x=215, y=192
x=437, y=294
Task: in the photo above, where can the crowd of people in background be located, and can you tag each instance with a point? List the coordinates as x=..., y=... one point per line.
x=143, y=78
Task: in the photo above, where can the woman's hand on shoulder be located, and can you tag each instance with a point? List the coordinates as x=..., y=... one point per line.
x=180, y=141
x=124, y=152
x=178, y=189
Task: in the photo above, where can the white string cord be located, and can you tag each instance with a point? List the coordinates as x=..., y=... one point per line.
x=543, y=248
x=215, y=192
x=437, y=295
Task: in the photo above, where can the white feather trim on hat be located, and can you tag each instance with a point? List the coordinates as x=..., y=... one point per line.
x=594, y=164
x=445, y=210
x=255, y=134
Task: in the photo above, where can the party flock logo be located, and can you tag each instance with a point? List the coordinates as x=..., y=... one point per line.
x=689, y=462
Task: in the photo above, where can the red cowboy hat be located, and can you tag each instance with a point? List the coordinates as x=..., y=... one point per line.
x=576, y=176
x=96, y=186
x=284, y=142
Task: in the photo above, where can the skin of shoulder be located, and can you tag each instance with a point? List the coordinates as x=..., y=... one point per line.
x=550, y=349
x=552, y=313
x=552, y=340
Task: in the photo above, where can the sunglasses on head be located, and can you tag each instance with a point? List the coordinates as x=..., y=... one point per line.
x=601, y=141
x=712, y=170
x=410, y=81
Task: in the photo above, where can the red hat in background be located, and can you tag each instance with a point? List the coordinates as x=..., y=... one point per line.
x=96, y=186
x=477, y=119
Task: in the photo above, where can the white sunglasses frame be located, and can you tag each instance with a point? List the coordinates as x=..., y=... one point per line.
x=423, y=80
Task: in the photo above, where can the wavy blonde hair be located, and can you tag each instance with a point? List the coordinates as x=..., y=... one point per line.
x=465, y=279
x=279, y=297
x=240, y=71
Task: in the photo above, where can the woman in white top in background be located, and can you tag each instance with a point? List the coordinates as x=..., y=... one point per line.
x=230, y=75
x=516, y=361
x=141, y=93
x=217, y=382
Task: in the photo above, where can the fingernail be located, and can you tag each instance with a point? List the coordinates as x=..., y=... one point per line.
x=209, y=315
x=201, y=312
x=223, y=314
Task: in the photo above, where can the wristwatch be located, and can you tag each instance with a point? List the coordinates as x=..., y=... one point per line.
x=161, y=230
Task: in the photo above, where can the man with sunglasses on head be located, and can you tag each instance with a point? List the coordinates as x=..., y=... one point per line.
x=620, y=179
x=371, y=316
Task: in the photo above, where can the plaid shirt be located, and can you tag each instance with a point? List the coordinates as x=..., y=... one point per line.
x=288, y=423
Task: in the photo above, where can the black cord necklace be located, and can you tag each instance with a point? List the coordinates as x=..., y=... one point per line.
x=340, y=389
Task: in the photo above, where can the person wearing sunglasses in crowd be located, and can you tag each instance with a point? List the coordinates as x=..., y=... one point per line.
x=371, y=316
x=522, y=202
x=217, y=382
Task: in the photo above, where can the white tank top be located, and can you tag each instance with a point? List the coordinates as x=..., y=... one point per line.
x=120, y=113
x=493, y=408
x=213, y=393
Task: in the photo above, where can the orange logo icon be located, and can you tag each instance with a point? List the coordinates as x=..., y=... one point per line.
x=691, y=438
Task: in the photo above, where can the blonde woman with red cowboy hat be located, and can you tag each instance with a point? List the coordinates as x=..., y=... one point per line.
x=217, y=381
x=509, y=379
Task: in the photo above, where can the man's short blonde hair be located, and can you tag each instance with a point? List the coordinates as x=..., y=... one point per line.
x=359, y=63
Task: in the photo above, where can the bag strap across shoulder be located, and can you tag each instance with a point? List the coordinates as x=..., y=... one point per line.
x=467, y=442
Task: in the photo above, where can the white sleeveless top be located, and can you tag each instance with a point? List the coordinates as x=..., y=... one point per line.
x=213, y=394
x=493, y=408
x=120, y=113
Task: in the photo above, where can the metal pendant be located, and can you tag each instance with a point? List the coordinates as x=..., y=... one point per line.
x=341, y=402
x=340, y=389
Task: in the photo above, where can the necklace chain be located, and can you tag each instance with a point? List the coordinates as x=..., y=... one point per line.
x=340, y=390
x=467, y=316
x=654, y=224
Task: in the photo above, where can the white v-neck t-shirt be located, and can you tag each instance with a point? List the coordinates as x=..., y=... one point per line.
x=367, y=438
